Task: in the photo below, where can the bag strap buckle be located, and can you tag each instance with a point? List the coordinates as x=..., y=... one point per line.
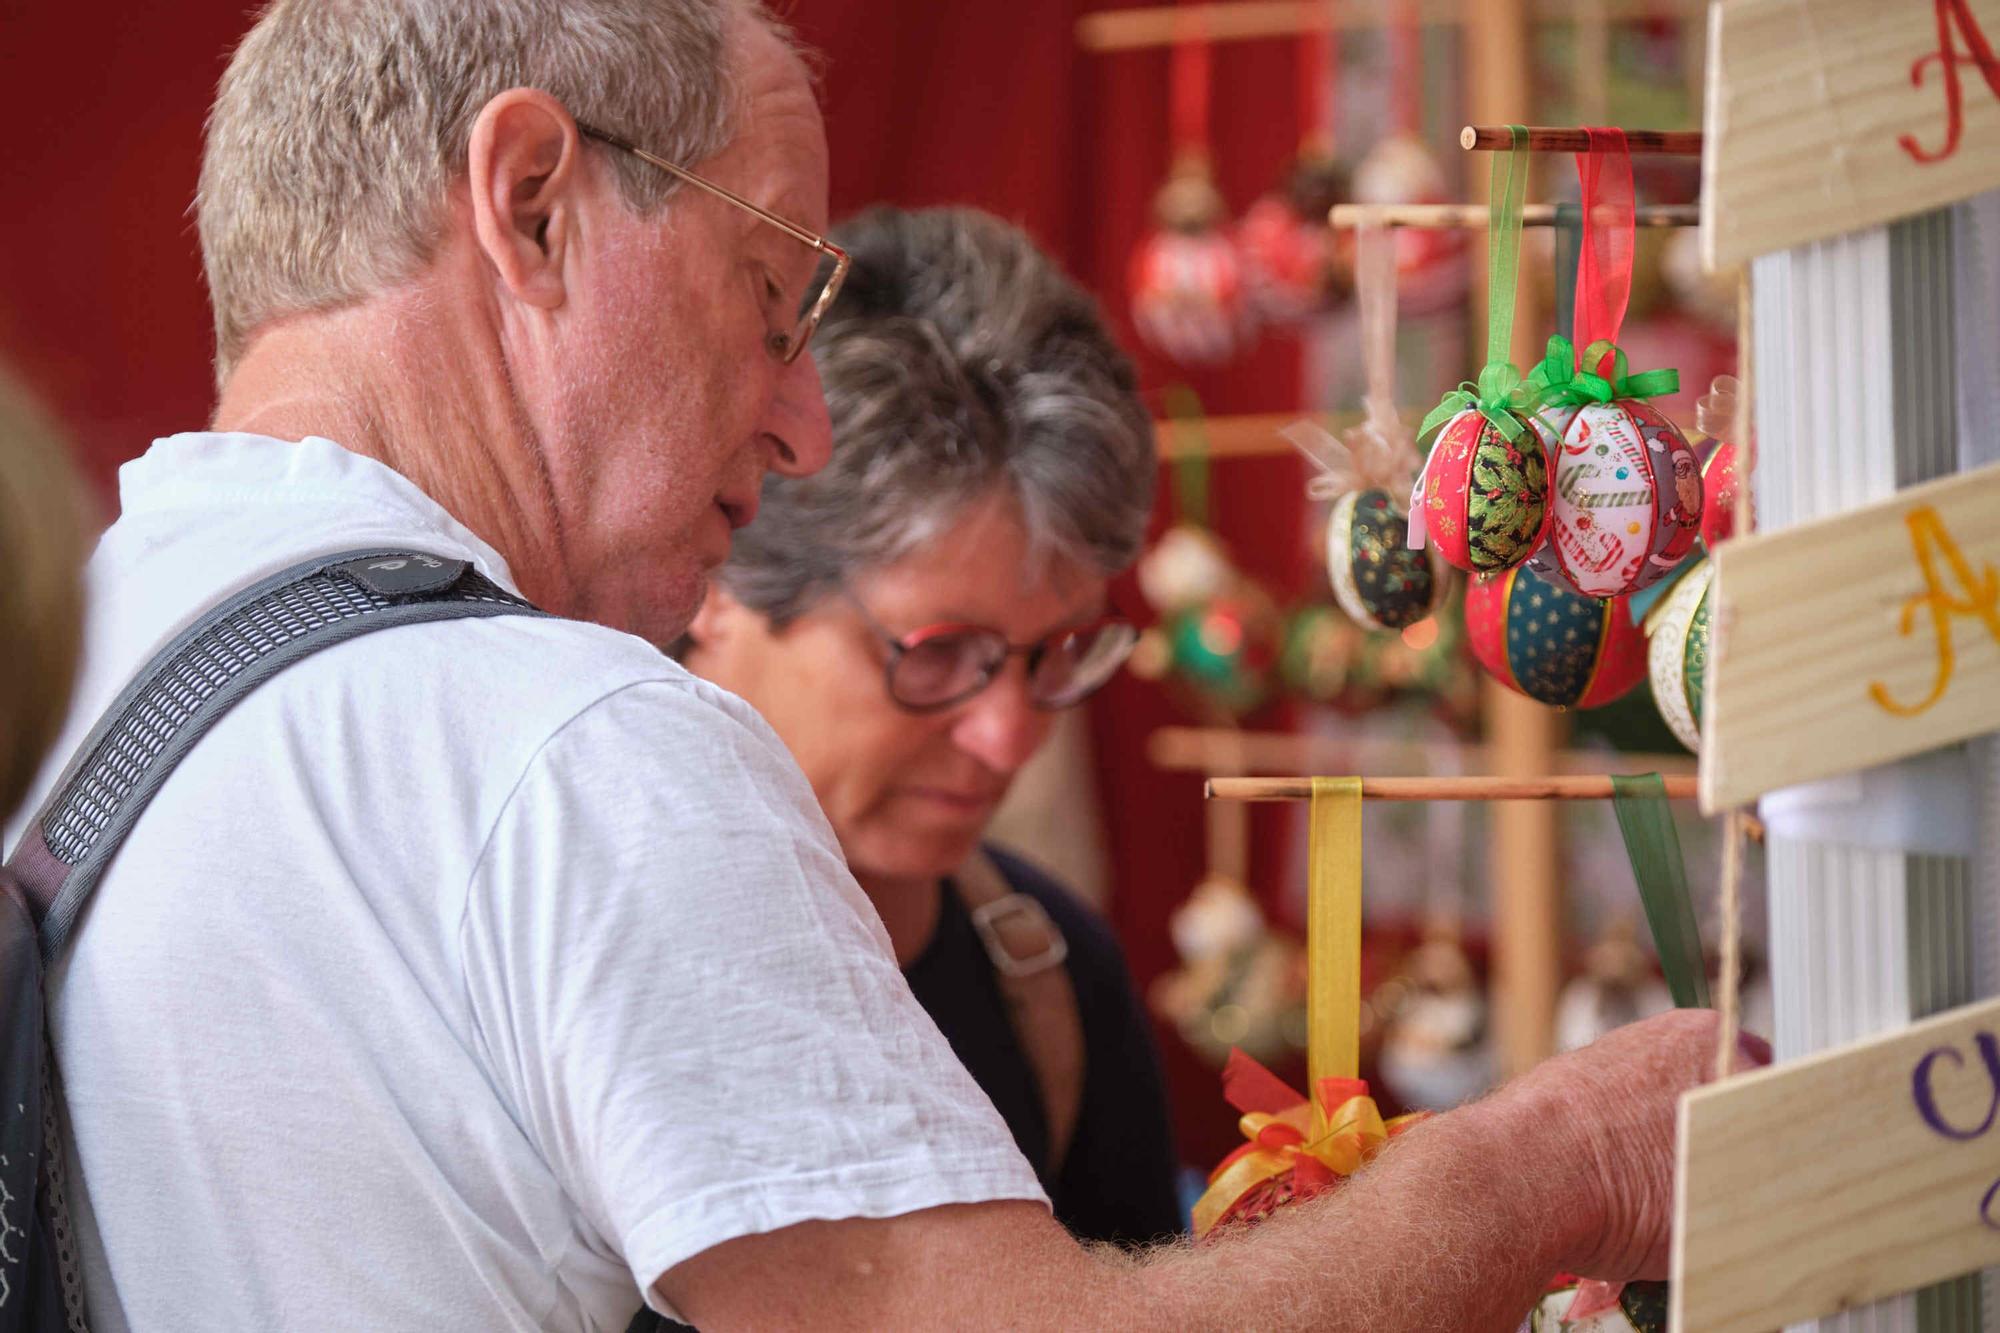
x=1021, y=917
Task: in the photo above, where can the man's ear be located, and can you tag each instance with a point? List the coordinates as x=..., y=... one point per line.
x=522, y=172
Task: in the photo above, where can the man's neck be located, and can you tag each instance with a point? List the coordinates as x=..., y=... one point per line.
x=426, y=399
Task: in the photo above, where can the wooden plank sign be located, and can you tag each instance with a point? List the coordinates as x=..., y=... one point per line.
x=1839, y=1179
x=1826, y=116
x=1853, y=640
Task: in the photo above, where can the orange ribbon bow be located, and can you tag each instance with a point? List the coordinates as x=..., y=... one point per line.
x=1315, y=1148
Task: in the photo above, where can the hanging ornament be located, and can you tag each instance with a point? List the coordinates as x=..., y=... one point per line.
x=1715, y=417
x=1550, y=642
x=1484, y=491
x=1219, y=632
x=1627, y=501
x=1677, y=653
x=1627, y=491
x=1377, y=579
x=1186, y=279
x=1287, y=248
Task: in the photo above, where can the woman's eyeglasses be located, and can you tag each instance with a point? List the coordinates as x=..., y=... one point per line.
x=939, y=666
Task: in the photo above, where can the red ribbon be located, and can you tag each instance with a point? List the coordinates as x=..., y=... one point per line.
x=1188, y=87
x=1319, y=63
x=1406, y=66
x=1604, y=268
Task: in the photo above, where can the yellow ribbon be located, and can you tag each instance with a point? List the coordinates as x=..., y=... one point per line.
x=1333, y=937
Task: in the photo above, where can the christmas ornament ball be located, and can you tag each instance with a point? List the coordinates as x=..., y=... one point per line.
x=1718, y=499
x=1626, y=500
x=1485, y=496
x=1594, y=1307
x=1677, y=653
x=1228, y=649
x=1550, y=642
x=1377, y=579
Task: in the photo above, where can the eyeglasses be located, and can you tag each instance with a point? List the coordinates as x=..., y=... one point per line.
x=939, y=666
x=785, y=346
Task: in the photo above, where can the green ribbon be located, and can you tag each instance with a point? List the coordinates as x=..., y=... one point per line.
x=1560, y=377
x=1190, y=473
x=1654, y=850
x=1496, y=394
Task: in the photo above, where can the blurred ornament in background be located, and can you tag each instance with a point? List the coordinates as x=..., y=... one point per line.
x=1708, y=297
x=1618, y=986
x=1187, y=279
x=1435, y=1053
x=1432, y=271
x=1186, y=567
x=1715, y=417
x=1551, y=643
x=1239, y=984
x=1290, y=265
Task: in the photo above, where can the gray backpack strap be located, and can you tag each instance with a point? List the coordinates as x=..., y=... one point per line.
x=203, y=673
x=181, y=693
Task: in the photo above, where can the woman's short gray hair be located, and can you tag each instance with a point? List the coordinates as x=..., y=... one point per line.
x=959, y=362
x=340, y=125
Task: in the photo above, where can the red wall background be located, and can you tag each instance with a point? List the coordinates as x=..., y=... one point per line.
x=982, y=102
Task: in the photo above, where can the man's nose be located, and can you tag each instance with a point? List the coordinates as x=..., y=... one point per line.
x=1000, y=726
x=796, y=426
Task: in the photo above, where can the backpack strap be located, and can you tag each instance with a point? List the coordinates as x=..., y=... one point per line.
x=1028, y=951
x=169, y=706
x=204, y=672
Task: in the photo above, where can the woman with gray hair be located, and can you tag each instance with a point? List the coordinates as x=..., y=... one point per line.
x=992, y=470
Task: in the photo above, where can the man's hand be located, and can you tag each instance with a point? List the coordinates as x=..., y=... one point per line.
x=1617, y=1100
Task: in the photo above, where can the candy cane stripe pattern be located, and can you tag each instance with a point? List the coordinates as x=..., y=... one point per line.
x=1627, y=502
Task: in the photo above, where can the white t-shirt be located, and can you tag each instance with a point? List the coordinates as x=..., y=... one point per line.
x=467, y=975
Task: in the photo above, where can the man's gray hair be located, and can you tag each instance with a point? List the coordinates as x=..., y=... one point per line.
x=959, y=362
x=340, y=125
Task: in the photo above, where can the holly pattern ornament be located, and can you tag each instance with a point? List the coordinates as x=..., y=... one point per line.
x=1677, y=653
x=1627, y=501
x=1377, y=579
x=1551, y=643
x=1485, y=495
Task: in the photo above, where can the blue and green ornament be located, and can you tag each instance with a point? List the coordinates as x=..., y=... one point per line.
x=1546, y=640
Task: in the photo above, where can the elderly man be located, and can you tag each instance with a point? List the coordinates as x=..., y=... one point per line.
x=390, y=1015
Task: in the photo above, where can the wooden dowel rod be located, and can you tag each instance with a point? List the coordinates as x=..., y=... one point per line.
x=1473, y=217
x=1227, y=752
x=1575, y=139
x=1592, y=787
x=1256, y=435
x=1245, y=20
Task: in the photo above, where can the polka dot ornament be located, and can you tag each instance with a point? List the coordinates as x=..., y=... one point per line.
x=1551, y=643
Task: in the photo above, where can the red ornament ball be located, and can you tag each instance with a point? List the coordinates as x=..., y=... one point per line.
x=1718, y=484
x=1551, y=643
x=1485, y=497
x=1187, y=295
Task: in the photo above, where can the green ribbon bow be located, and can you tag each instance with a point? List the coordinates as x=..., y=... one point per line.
x=1559, y=378
x=1495, y=397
